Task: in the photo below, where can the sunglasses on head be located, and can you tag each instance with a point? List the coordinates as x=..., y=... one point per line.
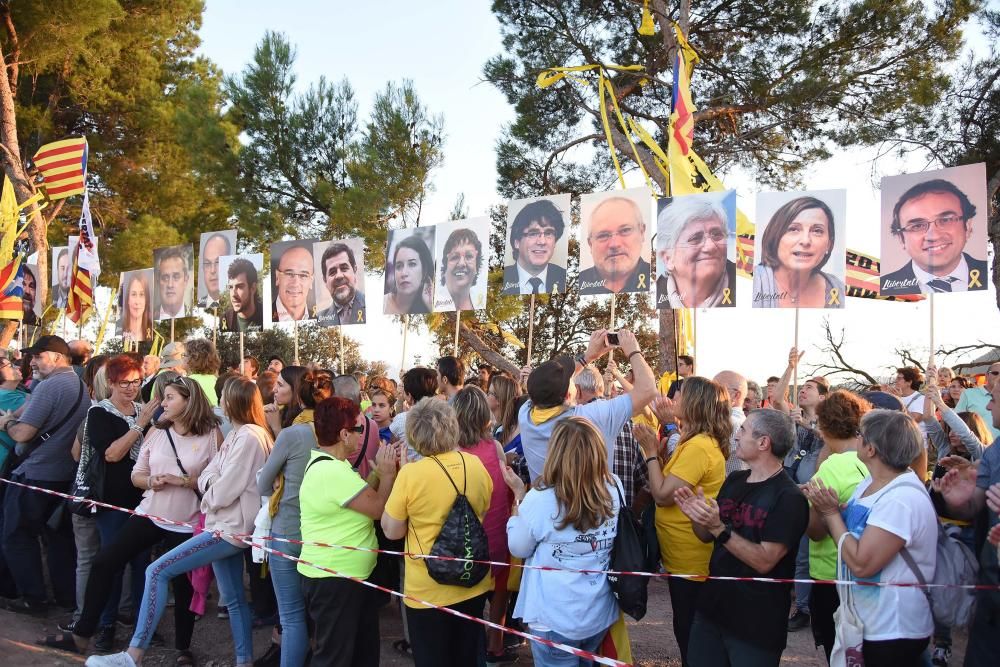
x=357, y=429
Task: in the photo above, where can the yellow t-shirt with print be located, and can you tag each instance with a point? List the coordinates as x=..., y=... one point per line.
x=699, y=462
x=422, y=497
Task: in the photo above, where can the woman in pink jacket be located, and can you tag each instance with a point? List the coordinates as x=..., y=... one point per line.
x=230, y=502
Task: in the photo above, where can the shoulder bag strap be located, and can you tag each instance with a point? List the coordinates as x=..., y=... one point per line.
x=316, y=460
x=62, y=422
x=364, y=447
x=180, y=465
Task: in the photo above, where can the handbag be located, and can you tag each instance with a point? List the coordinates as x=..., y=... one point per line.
x=847, y=647
x=630, y=553
x=89, y=487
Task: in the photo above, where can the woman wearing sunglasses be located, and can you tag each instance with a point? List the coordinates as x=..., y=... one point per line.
x=186, y=436
x=229, y=500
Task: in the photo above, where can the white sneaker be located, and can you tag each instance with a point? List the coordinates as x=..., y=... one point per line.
x=111, y=660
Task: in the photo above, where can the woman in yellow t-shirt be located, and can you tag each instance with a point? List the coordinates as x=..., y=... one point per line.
x=417, y=508
x=698, y=461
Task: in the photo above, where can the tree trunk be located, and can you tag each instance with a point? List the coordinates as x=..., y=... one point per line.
x=494, y=358
x=668, y=342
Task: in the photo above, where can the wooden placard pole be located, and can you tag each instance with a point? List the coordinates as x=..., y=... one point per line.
x=614, y=302
x=931, y=299
x=531, y=328
x=406, y=327
x=172, y=329
x=458, y=324
x=340, y=331
x=215, y=330
x=295, y=325
x=242, y=356
x=795, y=370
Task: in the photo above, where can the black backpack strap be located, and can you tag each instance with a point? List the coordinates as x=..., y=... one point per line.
x=364, y=447
x=465, y=480
x=324, y=457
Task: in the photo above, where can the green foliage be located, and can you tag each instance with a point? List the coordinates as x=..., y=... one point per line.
x=309, y=166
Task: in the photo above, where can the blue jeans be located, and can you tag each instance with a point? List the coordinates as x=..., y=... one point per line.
x=109, y=522
x=547, y=656
x=291, y=605
x=227, y=563
x=802, y=590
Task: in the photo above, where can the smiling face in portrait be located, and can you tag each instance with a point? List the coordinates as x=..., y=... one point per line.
x=699, y=255
x=938, y=249
x=340, y=278
x=173, y=284
x=536, y=246
x=460, y=267
x=136, y=298
x=806, y=241
x=408, y=272
x=616, y=238
x=294, y=278
x=214, y=248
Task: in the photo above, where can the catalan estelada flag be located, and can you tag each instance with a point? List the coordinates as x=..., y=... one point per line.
x=63, y=166
x=86, y=268
x=12, y=282
x=862, y=278
x=682, y=108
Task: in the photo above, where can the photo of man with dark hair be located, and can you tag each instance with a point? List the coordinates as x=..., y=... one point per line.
x=537, y=241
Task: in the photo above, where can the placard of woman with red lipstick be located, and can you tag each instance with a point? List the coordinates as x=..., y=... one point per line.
x=463, y=255
x=801, y=250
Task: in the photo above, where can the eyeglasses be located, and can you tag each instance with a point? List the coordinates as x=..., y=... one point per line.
x=210, y=265
x=454, y=257
x=716, y=236
x=623, y=233
x=534, y=235
x=944, y=223
x=295, y=275
x=128, y=384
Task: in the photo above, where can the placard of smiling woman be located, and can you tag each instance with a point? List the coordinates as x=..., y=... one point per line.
x=340, y=282
x=409, y=272
x=934, y=231
x=696, y=251
x=463, y=256
x=800, y=250
x=135, y=305
x=614, y=241
x=537, y=246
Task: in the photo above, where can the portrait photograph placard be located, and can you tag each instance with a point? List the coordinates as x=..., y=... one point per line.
x=615, y=232
x=409, y=272
x=135, y=305
x=241, y=304
x=537, y=245
x=340, y=282
x=211, y=281
x=173, y=291
x=463, y=256
x=292, y=281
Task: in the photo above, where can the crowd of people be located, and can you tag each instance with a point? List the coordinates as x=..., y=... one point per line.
x=741, y=488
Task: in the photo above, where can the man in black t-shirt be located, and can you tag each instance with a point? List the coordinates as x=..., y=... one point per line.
x=756, y=522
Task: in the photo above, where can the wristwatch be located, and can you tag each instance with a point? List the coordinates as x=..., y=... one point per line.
x=724, y=536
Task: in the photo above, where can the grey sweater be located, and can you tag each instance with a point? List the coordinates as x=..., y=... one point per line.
x=289, y=456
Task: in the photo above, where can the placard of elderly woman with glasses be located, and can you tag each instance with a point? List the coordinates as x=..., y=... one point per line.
x=692, y=251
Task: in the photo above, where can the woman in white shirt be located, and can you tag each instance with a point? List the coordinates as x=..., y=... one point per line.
x=889, y=512
x=567, y=521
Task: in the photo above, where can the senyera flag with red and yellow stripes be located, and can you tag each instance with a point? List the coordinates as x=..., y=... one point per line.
x=63, y=166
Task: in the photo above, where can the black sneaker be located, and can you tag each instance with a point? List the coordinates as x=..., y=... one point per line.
x=105, y=639
x=798, y=621
x=271, y=657
x=505, y=658
x=27, y=607
x=67, y=626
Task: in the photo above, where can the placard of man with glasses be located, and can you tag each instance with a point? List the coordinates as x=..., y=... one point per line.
x=536, y=237
x=615, y=232
x=933, y=221
x=292, y=273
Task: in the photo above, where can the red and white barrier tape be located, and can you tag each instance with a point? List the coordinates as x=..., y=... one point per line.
x=698, y=577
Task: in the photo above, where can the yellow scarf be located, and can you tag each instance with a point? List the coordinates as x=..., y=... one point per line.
x=542, y=415
x=304, y=417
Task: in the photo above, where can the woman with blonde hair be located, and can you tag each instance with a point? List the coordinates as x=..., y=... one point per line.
x=569, y=520
x=698, y=461
x=229, y=500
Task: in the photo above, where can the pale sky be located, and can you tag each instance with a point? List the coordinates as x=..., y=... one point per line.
x=442, y=47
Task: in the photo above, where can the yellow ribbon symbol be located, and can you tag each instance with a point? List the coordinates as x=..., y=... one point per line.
x=361, y=317
x=974, y=279
x=642, y=281
x=727, y=299
x=834, y=297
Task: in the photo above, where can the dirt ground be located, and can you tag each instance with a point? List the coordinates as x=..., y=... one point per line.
x=652, y=638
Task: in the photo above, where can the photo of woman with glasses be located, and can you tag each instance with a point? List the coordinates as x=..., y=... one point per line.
x=409, y=272
x=692, y=251
x=799, y=256
x=136, y=320
x=463, y=246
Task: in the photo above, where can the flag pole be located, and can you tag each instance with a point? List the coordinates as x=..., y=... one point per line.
x=458, y=324
x=531, y=328
x=795, y=370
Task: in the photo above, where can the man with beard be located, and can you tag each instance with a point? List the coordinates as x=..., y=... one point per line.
x=617, y=240
x=460, y=267
x=246, y=310
x=533, y=236
x=173, y=277
x=216, y=246
x=61, y=296
x=28, y=300
x=340, y=275
x=293, y=280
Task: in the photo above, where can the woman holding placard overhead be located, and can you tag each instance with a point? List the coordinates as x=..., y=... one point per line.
x=796, y=245
x=137, y=323
x=411, y=284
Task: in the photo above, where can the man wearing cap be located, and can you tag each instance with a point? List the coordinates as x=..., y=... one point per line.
x=44, y=431
x=173, y=357
x=552, y=398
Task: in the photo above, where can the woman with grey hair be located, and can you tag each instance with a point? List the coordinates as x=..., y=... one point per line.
x=887, y=530
x=691, y=251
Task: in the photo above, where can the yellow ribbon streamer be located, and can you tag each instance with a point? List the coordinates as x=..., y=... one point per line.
x=834, y=297
x=974, y=279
